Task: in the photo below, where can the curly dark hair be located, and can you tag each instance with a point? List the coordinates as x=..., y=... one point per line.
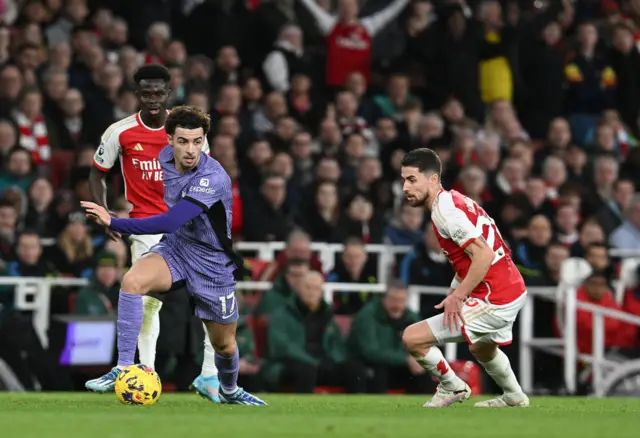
x=187, y=117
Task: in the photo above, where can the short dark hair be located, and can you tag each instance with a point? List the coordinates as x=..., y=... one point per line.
x=150, y=72
x=424, y=159
x=27, y=232
x=187, y=117
x=5, y=203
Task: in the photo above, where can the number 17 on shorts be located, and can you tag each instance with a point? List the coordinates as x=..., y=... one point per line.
x=220, y=306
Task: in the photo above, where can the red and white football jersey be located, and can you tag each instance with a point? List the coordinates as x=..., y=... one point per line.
x=138, y=147
x=458, y=221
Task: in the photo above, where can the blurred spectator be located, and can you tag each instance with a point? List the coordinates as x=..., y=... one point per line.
x=407, y=227
x=29, y=261
x=321, y=219
x=349, y=39
x=567, y=220
x=590, y=232
x=38, y=134
x=269, y=218
x=8, y=229
x=286, y=60
x=625, y=60
x=284, y=287
x=378, y=357
x=591, y=83
x=298, y=246
x=19, y=171
x=597, y=256
x=354, y=266
x=274, y=108
x=611, y=215
x=529, y=254
x=305, y=347
x=627, y=235
x=100, y=297
x=40, y=205
x=596, y=290
x=425, y=264
x=360, y=221
x=76, y=247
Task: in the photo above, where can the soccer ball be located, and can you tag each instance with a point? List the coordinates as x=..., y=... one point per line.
x=138, y=385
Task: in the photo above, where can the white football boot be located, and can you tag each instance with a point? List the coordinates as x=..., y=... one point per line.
x=505, y=401
x=445, y=397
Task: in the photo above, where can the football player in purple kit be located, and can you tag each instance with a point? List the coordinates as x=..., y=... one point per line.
x=197, y=249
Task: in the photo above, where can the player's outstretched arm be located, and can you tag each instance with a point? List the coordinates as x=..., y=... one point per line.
x=169, y=222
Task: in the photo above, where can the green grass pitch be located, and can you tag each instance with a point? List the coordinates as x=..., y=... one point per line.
x=295, y=416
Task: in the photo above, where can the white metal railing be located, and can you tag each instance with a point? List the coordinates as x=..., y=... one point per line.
x=33, y=294
x=327, y=253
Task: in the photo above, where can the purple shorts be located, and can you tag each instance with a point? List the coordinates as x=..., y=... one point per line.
x=208, y=277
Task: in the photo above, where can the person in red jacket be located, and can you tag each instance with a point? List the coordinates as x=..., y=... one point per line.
x=349, y=38
x=596, y=290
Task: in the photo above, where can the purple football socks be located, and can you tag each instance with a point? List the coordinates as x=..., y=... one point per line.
x=228, y=371
x=129, y=325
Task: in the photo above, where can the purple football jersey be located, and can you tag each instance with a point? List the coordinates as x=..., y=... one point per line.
x=194, y=253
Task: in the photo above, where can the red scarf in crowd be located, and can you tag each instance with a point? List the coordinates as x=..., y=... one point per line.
x=34, y=137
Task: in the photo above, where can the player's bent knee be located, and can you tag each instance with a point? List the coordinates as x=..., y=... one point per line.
x=134, y=284
x=484, y=352
x=418, y=337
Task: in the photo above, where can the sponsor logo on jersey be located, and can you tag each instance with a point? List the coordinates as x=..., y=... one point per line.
x=207, y=190
x=101, y=149
x=460, y=234
x=204, y=182
x=138, y=147
x=100, y=160
x=146, y=165
x=184, y=193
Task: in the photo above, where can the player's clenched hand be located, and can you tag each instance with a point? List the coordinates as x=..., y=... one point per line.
x=452, y=306
x=98, y=214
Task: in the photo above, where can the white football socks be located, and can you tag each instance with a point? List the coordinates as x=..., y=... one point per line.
x=435, y=363
x=499, y=368
x=209, y=363
x=150, y=331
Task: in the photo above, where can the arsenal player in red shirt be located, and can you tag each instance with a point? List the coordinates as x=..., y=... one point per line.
x=136, y=141
x=486, y=294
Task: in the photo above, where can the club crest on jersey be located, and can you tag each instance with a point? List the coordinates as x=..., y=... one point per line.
x=204, y=182
x=184, y=193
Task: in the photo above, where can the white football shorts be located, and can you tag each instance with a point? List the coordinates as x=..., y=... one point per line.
x=140, y=245
x=483, y=322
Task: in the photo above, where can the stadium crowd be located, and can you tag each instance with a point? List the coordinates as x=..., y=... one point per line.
x=533, y=108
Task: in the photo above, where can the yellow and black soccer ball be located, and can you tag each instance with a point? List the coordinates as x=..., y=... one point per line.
x=138, y=385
